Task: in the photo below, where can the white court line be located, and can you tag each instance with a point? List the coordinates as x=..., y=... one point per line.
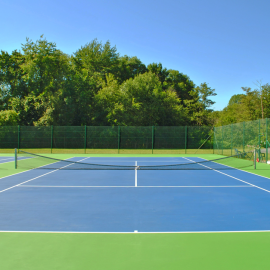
x=32, y=169
x=237, y=168
x=38, y=176
x=6, y=158
x=40, y=186
x=178, y=232
x=231, y=176
x=6, y=162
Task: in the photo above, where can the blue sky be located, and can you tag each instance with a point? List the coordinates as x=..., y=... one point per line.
x=222, y=43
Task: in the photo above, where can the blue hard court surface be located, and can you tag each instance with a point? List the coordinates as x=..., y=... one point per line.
x=115, y=201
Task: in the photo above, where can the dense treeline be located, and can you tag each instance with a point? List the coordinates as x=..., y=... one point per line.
x=40, y=85
x=251, y=105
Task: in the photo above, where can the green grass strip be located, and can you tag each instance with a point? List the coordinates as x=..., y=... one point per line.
x=223, y=251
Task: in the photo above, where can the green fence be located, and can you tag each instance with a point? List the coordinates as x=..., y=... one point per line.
x=105, y=137
x=245, y=136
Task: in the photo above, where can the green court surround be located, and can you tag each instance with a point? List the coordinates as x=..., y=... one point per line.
x=97, y=251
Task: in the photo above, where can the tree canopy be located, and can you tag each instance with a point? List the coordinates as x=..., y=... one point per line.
x=40, y=85
x=245, y=107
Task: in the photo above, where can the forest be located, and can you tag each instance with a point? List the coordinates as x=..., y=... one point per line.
x=41, y=86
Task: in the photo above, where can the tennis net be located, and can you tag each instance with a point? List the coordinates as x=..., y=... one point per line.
x=25, y=160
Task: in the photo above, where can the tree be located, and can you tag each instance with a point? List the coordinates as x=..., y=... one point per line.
x=46, y=73
x=45, y=67
x=8, y=118
x=241, y=107
x=140, y=102
x=179, y=83
x=157, y=69
x=95, y=86
x=250, y=109
x=235, y=99
x=90, y=66
x=129, y=67
x=29, y=109
x=266, y=99
x=199, y=106
x=11, y=78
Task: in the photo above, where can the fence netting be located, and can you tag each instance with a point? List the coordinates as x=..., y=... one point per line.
x=243, y=137
x=226, y=140
x=106, y=137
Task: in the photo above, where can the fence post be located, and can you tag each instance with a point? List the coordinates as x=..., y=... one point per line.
x=153, y=134
x=119, y=135
x=51, y=138
x=19, y=134
x=255, y=158
x=185, y=139
x=85, y=138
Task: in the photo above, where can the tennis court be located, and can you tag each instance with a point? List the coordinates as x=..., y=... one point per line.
x=158, y=203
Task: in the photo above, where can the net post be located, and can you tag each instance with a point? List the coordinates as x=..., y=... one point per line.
x=16, y=158
x=185, y=139
x=119, y=134
x=255, y=159
x=19, y=134
x=153, y=134
x=85, y=138
x=244, y=136
x=231, y=139
x=214, y=138
x=222, y=140
x=266, y=138
x=51, y=138
x=259, y=142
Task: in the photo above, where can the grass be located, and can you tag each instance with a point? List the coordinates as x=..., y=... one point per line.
x=211, y=251
x=70, y=251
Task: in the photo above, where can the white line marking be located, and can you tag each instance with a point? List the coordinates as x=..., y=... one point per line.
x=40, y=186
x=28, y=170
x=136, y=182
x=7, y=159
x=38, y=177
x=239, y=169
x=6, y=162
x=176, y=232
x=231, y=176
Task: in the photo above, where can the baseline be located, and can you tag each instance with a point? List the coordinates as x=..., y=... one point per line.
x=136, y=231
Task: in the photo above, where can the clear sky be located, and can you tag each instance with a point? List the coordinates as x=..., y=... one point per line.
x=224, y=43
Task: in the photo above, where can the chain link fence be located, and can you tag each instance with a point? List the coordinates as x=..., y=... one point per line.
x=243, y=137
x=108, y=139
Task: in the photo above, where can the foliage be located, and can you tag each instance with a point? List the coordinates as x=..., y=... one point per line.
x=245, y=107
x=140, y=101
x=8, y=118
x=199, y=105
x=40, y=85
